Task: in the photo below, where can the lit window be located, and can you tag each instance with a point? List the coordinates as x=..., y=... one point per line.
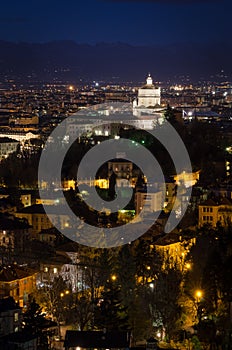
x=55, y=270
x=16, y=317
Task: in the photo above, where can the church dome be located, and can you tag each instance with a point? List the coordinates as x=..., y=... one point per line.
x=149, y=83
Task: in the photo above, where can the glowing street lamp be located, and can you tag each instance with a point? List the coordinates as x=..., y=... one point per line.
x=113, y=277
x=198, y=294
x=62, y=294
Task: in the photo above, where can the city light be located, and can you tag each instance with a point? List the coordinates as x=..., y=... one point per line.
x=198, y=294
x=113, y=277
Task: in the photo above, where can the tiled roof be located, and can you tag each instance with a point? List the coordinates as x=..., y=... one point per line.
x=214, y=203
x=209, y=203
x=170, y=238
x=71, y=247
x=14, y=272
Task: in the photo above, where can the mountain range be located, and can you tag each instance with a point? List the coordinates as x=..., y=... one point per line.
x=70, y=61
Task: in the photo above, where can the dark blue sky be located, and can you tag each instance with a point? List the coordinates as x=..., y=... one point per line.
x=136, y=22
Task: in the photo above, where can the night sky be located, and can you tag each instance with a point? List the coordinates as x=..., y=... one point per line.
x=134, y=22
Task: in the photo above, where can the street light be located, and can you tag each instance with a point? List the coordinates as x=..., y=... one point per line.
x=113, y=277
x=199, y=295
x=62, y=294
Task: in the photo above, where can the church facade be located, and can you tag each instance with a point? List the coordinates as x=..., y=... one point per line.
x=148, y=100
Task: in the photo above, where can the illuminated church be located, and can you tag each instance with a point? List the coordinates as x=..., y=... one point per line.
x=107, y=119
x=148, y=100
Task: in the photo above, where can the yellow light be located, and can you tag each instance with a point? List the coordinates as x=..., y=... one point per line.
x=71, y=88
x=61, y=294
x=199, y=293
x=148, y=267
x=113, y=277
x=188, y=266
x=67, y=292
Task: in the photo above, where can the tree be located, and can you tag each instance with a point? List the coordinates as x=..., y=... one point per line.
x=169, y=115
x=112, y=184
x=163, y=296
x=83, y=313
x=34, y=321
x=55, y=299
x=148, y=262
x=109, y=312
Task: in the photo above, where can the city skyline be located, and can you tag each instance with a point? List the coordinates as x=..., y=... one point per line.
x=115, y=175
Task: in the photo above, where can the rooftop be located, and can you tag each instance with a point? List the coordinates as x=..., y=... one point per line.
x=7, y=140
x=7, y=304
x=40, y=209
x=14, y=272
x=7, y=223
x=216, y=202
x=95, y=339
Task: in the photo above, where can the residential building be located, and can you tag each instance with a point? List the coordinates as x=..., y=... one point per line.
x=187, y=178
x=13, y=234
x=174, y=249
x=149, y=202
x=38, y=219
x=17, y=282
x=7, y=146
x=12, y=336
x=10, y=316
x=213, y=212
x=120, y=167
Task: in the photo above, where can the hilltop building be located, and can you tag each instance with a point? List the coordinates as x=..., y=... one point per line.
x=108, y=119
x=148, y=100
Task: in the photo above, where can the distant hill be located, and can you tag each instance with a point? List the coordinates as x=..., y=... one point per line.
x=69, y=61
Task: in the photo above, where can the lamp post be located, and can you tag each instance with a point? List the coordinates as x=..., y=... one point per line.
x=198, y=297
x=62, y=295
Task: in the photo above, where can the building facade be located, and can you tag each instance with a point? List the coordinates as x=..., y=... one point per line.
x=149, y=96
x=17, y=282
x=7, y=146
x=212, y=212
